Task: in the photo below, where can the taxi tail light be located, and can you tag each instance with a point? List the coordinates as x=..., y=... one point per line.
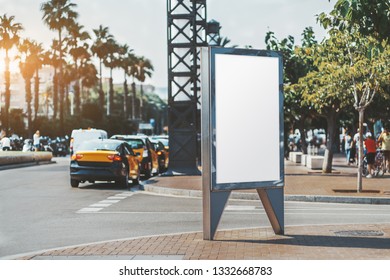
x=77, y=156
x=114, y=157
x=159, y=153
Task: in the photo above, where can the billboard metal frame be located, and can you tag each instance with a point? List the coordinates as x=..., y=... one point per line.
x=216, y=194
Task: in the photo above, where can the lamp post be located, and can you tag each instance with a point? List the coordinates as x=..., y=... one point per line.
x=212, y=29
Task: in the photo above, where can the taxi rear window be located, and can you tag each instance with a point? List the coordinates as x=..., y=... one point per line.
x=135, y=143
x=98, y=146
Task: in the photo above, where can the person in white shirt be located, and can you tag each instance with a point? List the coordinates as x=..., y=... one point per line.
x=36, y=140
x=5, y=143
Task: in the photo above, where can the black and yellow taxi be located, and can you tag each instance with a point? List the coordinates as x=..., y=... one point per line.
x=104, y=160
x=162, y=154
x=146, y=152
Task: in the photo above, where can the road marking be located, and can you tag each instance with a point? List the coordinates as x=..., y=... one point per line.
x=96, y=207
x=89, y=209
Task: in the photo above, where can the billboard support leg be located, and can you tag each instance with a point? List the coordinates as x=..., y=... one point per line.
x=273, y=202
x=213, y=205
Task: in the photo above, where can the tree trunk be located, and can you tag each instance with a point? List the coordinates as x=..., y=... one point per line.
x=7, y=83
x=28, y=101
x=36, y=94
x=360, y=155
x=331, y=120
x=141, y=104
x=125, y=96
x=110, y=95
x=55, y=94
x=133, y=101
x=101, y=92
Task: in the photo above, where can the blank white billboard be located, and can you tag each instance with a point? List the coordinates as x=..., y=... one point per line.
x=247, y=119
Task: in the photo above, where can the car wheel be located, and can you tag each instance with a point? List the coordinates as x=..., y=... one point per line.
x=74, y=183
x=148, y=173
x=124, y=181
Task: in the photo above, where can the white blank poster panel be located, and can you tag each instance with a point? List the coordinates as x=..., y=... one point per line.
x=247, y=119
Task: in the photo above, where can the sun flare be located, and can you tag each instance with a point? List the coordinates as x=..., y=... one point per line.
x=13, y=65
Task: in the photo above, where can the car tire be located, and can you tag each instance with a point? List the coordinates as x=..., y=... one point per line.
x=74, y=183
x=148, y=173
x=124, y=181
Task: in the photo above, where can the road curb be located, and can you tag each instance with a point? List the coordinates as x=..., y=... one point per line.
x=254, y=196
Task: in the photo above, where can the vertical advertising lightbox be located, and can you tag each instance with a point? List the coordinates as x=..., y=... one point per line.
x=242, y=118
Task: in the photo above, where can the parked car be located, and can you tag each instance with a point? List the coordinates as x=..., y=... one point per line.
x=104, y=160
x=59, y=146
x=79, y=136
x=145, y=150
x=162, y=154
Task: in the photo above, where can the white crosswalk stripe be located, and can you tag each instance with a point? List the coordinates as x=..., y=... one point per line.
x=96, y=207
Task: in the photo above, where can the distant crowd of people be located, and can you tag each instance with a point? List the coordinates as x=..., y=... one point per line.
x=371, y=144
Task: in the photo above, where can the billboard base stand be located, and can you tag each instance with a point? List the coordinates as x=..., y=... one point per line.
x=215, y=202
x=273, y=203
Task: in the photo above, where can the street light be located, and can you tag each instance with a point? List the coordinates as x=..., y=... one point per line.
x=212, y=29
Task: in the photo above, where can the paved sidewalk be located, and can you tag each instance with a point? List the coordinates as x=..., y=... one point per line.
x=299, y=242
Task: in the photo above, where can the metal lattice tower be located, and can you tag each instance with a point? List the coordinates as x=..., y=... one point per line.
x=186, y=34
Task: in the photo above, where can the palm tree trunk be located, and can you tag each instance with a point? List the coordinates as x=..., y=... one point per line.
x=125, y=96
x=36, y=94
x=133, y=100
x=101, y=92
x=141, y=103
x=7, y=82
x=28, y=101
x=55, y=94
x=61, y=84
x=110, y=95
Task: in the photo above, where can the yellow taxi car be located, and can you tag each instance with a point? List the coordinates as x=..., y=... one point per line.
x=146, y=152
x=162, y=153
x=104, y=160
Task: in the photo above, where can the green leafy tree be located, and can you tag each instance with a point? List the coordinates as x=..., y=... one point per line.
x=371, y=17
x=365, y=42
x=9, y=37
x=296, y=64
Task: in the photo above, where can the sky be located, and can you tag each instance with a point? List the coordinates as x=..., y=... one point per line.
x=142, y=24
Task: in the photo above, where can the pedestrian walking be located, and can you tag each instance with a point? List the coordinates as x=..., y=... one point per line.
x=36, y=140
x=348, y=147
x=370, y=144
x=5, y=142
x=384, y=138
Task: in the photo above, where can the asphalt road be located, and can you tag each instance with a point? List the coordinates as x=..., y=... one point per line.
x=39, y=210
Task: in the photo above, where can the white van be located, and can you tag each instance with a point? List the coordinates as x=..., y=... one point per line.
x=81, y=135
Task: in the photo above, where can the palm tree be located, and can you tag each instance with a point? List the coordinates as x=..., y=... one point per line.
x=54, y=61
x=39, y=58
x=88, y=74
x=111, y=61
x=125, y=63
x=132, y=72
x=9, y=37
x=59, y=15
x=99, y=48
x=145, y=68
x=27, y=70
x=79, y=52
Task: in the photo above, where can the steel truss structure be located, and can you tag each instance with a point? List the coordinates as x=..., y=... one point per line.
x=186, y=34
